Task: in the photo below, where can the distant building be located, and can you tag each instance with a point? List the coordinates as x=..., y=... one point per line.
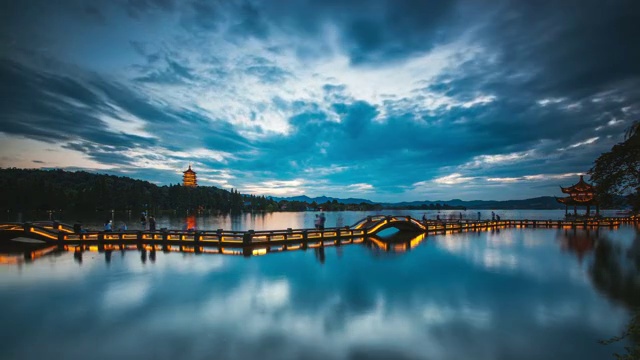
x=580, y=194
x=189, y=178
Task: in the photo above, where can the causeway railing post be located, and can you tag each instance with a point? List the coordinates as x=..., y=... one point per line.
x=139, y=240
x=27, y=228
x=60, y=240
x=101, y=242
x=219, y=234
x=196, y=242
x=246, y=238
x=165, y=240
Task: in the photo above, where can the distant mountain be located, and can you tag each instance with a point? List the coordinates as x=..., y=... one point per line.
x=323, y=199
x=538, y=203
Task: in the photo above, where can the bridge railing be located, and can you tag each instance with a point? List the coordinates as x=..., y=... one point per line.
x=50, y=231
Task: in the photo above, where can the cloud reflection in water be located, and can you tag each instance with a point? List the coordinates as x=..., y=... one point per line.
x=441, y=299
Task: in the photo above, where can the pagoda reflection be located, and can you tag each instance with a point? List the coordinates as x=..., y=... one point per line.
x=578, y=241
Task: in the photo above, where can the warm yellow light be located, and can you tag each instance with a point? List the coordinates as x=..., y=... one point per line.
x=379, y=243
x=259, y=252
x=47, y=235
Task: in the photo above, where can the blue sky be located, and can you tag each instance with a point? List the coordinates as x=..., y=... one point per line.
x=385, y=100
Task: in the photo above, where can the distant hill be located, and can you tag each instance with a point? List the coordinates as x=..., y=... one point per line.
x=538, y=203
x=323, y=199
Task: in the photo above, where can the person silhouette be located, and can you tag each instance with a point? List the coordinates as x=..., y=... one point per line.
x=108, y=226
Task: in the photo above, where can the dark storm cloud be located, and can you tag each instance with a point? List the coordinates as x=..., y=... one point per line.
x=572, y=47
x=543, y=78
x=356, y=117
x=95, y=13
x=56, y=108
x=559, y=50
x=392, y=148
x=136, y=8
x=370, y=31
x=172, y=72
x=52, y=108
x=104, y=154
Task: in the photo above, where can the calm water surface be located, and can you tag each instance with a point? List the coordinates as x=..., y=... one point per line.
x=280, y=220
x=509, y=294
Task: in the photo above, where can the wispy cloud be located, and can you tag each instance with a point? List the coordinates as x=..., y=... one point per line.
x=581, y=143
x=498, y=159
x=360, y=188
x=453, y=179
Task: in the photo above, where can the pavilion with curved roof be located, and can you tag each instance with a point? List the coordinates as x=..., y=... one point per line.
x=580, y=194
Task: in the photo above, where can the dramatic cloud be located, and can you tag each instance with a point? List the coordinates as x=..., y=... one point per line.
x=388, y=100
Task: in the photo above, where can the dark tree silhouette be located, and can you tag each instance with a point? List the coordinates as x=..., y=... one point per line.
x=614, y=272
x=617, y=172
x=23, y=189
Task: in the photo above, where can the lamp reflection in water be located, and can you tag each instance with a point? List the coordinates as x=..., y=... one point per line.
x=27, y=256
x=191, y=224
x=398, y=242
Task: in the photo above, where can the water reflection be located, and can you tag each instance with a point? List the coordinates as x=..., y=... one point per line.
x=579, y=242
x=277, y=220
x=615, y=272
x=442, y=299
x=191, y=223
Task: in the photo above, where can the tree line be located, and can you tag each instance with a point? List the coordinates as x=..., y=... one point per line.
x=31, y=189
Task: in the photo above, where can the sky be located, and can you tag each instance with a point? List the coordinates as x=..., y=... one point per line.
x=383, y=100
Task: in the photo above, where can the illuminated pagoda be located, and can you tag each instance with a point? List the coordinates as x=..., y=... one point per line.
x=580, y=194
x=189, y=178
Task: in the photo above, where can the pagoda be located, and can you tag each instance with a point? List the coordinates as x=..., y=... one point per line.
x=189, y=178
x=580, y=194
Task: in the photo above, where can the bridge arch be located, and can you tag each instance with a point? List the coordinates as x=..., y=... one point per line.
x=375, y=224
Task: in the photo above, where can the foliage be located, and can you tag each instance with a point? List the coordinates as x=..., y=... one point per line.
x=632, y=331
x=614, y=273
x=24, y=189
x=617, y=172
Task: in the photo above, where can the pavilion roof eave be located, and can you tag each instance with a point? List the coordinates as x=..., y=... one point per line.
x=570, y=201
x=580, y=186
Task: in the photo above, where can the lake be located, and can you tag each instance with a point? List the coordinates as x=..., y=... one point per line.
x=507, y=294
x=276, y=220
